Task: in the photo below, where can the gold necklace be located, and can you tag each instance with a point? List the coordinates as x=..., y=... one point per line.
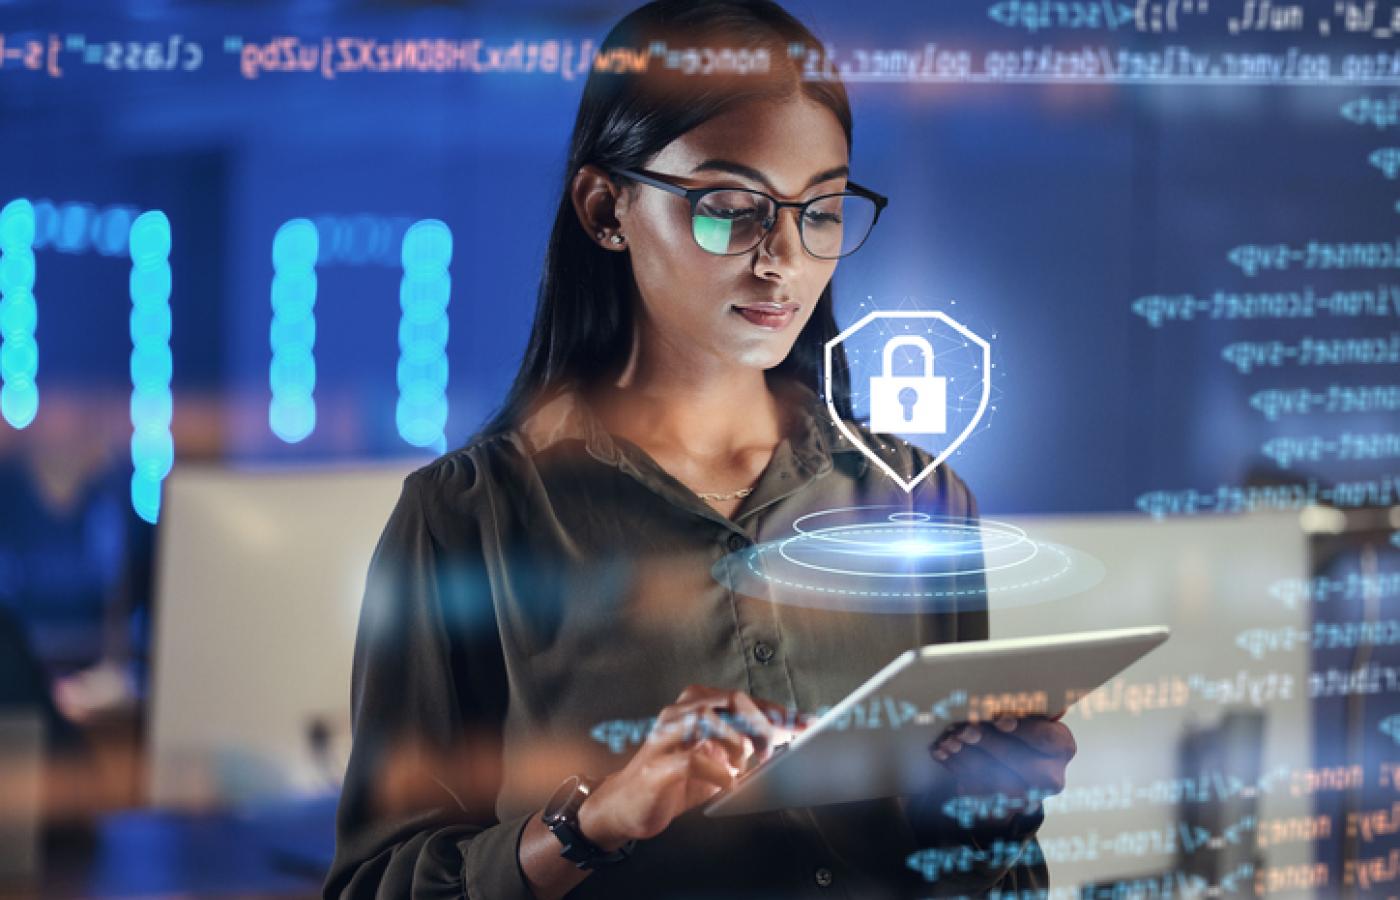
x=732, y=495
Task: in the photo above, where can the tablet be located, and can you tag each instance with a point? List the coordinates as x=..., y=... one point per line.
x=875, y=742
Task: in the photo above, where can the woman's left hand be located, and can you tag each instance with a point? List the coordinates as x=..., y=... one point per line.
x=1014, y=757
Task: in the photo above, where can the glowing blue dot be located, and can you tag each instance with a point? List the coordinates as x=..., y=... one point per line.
x=46, y=224
x=19, y=403
x=424, y=296
x=151, y=365
x=17, y=268
x=420, y=424
x=145, y=497
x=19, y=357
x=154, y=407
x=294, y=293
x=74, y=227
x=424, y=339
x=150, y=238
x=296, y=245
x=17, y=224
x=153, y=450
x=293, y=370
x=18, y=314
x=150, y=323
x=427, y=375
x=291, y=419
x=150, y=284
x=288, y=332
x=427, y=244
x=110, y=231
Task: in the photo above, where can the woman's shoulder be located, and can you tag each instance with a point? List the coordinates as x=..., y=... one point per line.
x=465, y=475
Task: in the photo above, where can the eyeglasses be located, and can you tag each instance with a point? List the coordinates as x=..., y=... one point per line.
x=729, y=221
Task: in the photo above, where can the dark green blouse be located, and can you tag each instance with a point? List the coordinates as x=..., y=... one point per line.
x=536, y=591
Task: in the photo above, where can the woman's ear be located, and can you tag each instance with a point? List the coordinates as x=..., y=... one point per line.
x=600, y=205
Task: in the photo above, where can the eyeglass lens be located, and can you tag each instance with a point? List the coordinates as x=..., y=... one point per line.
x=727, y=222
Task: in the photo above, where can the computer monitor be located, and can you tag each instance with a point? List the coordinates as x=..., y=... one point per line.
x=1210, y=706
x=259, y=579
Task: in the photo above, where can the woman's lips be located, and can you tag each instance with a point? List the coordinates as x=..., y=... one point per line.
x=772, y=316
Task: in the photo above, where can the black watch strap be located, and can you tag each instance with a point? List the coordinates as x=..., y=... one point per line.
x=561, y=817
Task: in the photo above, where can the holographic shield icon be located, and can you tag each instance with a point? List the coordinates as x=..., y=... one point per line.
x=922, y=403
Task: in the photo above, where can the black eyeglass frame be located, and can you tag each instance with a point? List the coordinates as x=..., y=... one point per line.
x=694, y=195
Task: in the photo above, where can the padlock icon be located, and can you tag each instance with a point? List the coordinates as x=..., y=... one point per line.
x=908, y=404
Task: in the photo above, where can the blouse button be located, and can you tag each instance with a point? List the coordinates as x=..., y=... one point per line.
x=763, y=652
x=823, y=877
x=737, y=542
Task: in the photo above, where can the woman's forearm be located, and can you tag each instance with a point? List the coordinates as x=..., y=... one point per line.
x=550, y=875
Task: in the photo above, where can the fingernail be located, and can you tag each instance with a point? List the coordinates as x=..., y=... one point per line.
x=970, y=735
x=952, y=745
x=1007, y=725
x=940, y=756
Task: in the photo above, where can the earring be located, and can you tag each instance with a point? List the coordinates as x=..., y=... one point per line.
x=617, y=239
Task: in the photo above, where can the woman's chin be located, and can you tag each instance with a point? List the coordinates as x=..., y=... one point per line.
x=762, y=359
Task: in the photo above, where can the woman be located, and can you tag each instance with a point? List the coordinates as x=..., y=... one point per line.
x=541, y=588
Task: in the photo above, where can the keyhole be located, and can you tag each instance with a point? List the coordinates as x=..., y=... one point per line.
x=907, y=398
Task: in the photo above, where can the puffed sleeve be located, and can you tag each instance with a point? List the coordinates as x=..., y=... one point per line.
x=428, y=697
x=980, y=860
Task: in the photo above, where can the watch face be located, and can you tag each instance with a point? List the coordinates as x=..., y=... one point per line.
x=554, y=808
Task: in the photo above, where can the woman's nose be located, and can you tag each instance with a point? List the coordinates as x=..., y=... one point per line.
x=783, y=242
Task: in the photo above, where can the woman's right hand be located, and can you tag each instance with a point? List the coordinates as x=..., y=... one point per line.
x=698, y=745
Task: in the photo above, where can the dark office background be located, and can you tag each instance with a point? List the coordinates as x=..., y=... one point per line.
x=1035, y=211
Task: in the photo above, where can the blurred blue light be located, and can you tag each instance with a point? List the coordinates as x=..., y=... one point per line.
x=151, y=364
x=19, y=316
x=19, y=357
x=422, y=373
x=78, y=227
x=291, y=413
x=150, y=239
x=153, y=449
x=145, y=496
x=151, y=281
x=19, y=402
x=152, y=445
x=153, y=407
x=291, y=418
x=74, y=227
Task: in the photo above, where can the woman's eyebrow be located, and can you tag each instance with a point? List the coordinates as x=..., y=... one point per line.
x=724, y=165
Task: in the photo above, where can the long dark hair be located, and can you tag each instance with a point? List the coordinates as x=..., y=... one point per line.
x=583, y=326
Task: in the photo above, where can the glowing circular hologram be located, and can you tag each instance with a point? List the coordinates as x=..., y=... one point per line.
x=837, y=524
x=892, y=559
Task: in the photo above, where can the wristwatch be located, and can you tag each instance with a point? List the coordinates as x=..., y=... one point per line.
x=561, y=817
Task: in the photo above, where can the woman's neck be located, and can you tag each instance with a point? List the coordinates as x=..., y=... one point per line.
x=710, y=416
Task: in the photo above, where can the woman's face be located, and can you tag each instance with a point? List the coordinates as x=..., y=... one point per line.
x=699, y=308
